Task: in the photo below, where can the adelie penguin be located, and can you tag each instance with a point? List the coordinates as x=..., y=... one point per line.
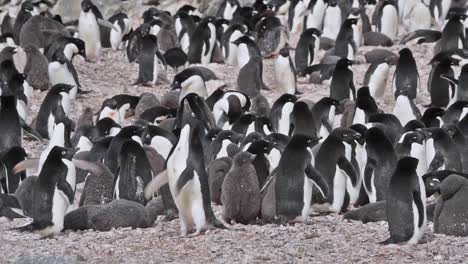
x=184, y=26
x=346, y=46
x=376, y=79
x=148, y=60
x=317, y=12
x=285, y=73
x=442, y=154
x=333, y=161
x=280, y=113
x=250, y=80
x=26, y=11
x=365, y=106
x=441, y=90
x=229, y=49
x=189, y=183
x=324, y=112
x=89, y=30
x=459, y=87
x=307, y=49
x=405, y=109
x=202, y=42
x=296, y=12
x=406, y=204
x=406, y=74
x=246, y=49
x=288, y=192
x=387, y=19
x=332, y=20
x=342, y=84
x=53, y=193
x=190, y=80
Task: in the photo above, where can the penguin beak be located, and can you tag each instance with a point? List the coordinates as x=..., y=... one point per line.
x=175, y=86
x=71, y=153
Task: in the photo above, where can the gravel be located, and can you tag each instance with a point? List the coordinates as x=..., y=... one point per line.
x=327, y=240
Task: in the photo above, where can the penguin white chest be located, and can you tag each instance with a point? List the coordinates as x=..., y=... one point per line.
x=71, y=173
x=116, y=36
x=418, y=151
x=315, y=19
x=59, y=208
x=430, y=151
x=284, y=121
x=378, y=80
x=332, y=22
x=84, y=144
x=243, y=55
x=206, y=55
x=231, y=57
x=89, y=32
x=193, y=84
x=59, y=73
x=162, y=145
x=223, y=151
x=274, y=157
x=359, y=116
x=403, y=111
x=176, y=163
x=285, y=78
x=298, y=21
x=389, y=22
x=69, y=50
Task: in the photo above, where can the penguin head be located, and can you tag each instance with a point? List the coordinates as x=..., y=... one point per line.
x=182, y=78
x=406, y=165
x=27, y=6
x=62, y=153
x=413, y=125
x=243, y=157
x=277, y=139
x=451, y=129
x=344, y=63
x=284, y=52
x=404, y=53
x=130, y=131
x=301, y=141
x=229, y=135
x=414, y=137
x=435, y=133
x=351, y=21
x=286, y=98
x=212, y=133
x=260, y=147
x=186, y=9
x=313, y=31
x=361, y=129
x=346, y=134
x=432, y=183
x=332, y=3
x=80, y=44
x=86, y=5
x=61, y=88
x=107, y=127
x=252, y=137
x=150, y=132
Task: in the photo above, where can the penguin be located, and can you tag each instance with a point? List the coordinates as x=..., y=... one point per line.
x=45, y=118
x=453, y=33
x=412, y=144
x=406, y=75
x=229, y=49
x=376, y=79
x=53, y=193
x=455, y=112
x=263, y=125
x=88, y=28
x=84, y=137
x=189, y=183
x=230, y=105
x=12, y=180
x=296, y=16
x=432, y=117
x=279, y=142
x=271, y=35
x=288, y=193
x=245, y=124
x=346, y=46
x=280, y=113
x=442, y=91
x=246, y=49
x=405, y=109
x=98, y=187
x=285, y=73
x=115, y=147
x=317, y=11
x=406, y=204
x=156, y=115
x=250, y=80
x=36, y=69
x=249, y=139
x=380, y=55
x=18, y=85
x=358, y=159
x=70, y=47
x=418, y=17
x=332, y=20
x=26, y=11
x=228, y=8
x=261, y=149
x=302, y=120
x=159, y=139
x=218, y=148
x=460, y=142
x=240, y=193
x=381, y=161
x=342, y=84
x=324, y=112
x=202, y=42
x=145, y=102
x=148, y=60
x=449, y=218
x=108, y=127
x=433, y=179
x=333, y=161
x=175, y=58
x=365, y=106
x=116, y=36
x=441, y=151
x=184, y=27
x=62, y=71
x=188, y=81
x=387, y=19
x=134, y=172
x=460, y=86
x=307, y=48
x=217, y=171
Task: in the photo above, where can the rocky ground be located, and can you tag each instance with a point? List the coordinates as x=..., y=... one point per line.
x=327, y=240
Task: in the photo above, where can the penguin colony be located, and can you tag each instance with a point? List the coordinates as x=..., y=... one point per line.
x=264, y=163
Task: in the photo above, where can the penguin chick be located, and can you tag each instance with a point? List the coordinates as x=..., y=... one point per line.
x=217, y=171
x=240, y=193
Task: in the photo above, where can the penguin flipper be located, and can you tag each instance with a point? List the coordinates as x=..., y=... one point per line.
x=436, y=163
x=348, y=168
x=449, y=78
x=65, y=187
x=155, y=184
x=312, y=69
x=420, y=206
x=326, y=123
x=368, y=171
x=25, y=164
x=425, y=35
x=9, y=213
x=318, y=179
x=161, y=58
x=30, y=130
x=106, y=24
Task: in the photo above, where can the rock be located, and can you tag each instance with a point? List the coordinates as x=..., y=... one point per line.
x=68, y=9
x=147, y=101
x=47, y=260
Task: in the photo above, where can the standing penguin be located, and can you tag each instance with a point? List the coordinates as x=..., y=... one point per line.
x=387, y=19
x=202, y=42
x=53, y=193
x=148, y=59
x=345, y=46
x=333, y=161
x=442, y=154
x=26, y=11
x=184, y=26
x=317, y=12
x=10, y=122
x=296, y=16
x=381, y=161
x=307, y=49
x=302, y=120
x=280, y=113
x=405, y=109
x=442, y=91
x=36, y=68
x=289, y=191
x=365, y=106
x=62, y=71
x=250, y=80
x=406, y=74
x=453, y=34
x=285, y=73
x=406, y=204
x=342, y=84
x=89, y=30
x=324, y=115
x=460, y=85
x=229, y=49
x=190, y=80
x=246, y=49
x=240, y=193
x=332, y=20
x=376, y=79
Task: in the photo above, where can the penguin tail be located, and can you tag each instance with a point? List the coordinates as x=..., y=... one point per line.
x=155, y=184
x=80, y=91
x=26, y=228
x=26, y=164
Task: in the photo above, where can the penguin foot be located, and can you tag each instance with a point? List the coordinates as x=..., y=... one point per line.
x=387, y=242
x=197, y=233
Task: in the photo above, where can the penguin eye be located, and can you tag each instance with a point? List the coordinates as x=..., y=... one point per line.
x=147, y=136
x=64, y=152
x=415, y=138
x=308, y=141
x=345, y=134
